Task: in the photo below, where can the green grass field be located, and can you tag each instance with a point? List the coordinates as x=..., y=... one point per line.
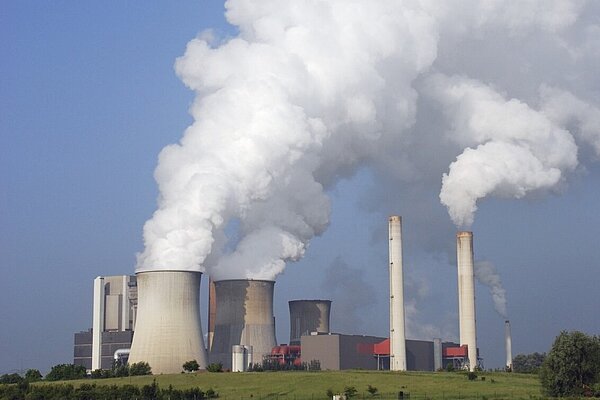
x=314, y=385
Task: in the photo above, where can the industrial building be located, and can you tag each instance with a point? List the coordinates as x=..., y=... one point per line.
x=113, y=322
x=338, y=351
x=241, y=323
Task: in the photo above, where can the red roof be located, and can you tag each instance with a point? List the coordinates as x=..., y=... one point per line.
x=382, y=348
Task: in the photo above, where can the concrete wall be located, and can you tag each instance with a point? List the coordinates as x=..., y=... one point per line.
x=111, y=342
x=325, y=348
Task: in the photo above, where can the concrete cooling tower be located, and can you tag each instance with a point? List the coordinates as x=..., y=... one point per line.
x=466, y=295
x=244, y=316
x=308, y=316
x=168, y=331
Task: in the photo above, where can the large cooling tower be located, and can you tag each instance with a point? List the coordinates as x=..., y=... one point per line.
x=466, y=295
x=308, y=316
x=397, y=335
x=168, y=331
x=508, y=344
x=244, y=316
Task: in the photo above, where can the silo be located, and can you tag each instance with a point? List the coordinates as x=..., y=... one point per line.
x=244, y=316
x=168, y=331
x=466, y=295
x=308, y=316
x=397, y=327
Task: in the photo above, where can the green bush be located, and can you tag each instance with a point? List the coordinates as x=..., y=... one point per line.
x=215, y=367
x=64, y=372
x=140, y=368
x=191, y=366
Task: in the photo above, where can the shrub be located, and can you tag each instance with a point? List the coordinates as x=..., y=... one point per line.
x=372, y=390
x=140, y=368
x=350, y=391
x=215, y=367
x=63, y=372
x=471, y=375
x=191, y=366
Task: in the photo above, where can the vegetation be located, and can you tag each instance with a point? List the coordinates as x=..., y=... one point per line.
x=528, y=363
x=93, y=391
x=33, y=375
x=140, y=368
x=372, y=390
x=215, y=367
x=65, y=372
x=302, y=385
x=572, y=366
x=191, y=366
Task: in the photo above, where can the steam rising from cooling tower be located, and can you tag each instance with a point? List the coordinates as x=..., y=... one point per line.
x=310, y=91
x=168, y=331
x=244, y=317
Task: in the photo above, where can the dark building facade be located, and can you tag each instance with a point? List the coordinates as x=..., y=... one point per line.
x=111, y=342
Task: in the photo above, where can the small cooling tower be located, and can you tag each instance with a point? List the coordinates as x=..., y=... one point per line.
x=244, y=316
x=168, y=331
x=308, y=316
x=466, y=295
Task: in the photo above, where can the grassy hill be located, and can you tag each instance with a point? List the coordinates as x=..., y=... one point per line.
x=314, y=385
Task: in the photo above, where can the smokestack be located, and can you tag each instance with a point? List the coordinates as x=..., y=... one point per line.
x=212, y=312
x=168, y=331
x=397, y=335
x=508, y=343
x=244, y=316
x=98, y=323
x=466, y=295
x=308, y=316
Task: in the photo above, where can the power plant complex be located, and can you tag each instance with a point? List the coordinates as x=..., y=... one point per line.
x=154, y=317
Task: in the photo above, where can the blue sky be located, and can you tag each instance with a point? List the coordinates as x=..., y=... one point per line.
x=89, y=97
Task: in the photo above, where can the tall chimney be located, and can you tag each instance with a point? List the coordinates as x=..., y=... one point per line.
x=168, y=331
x=466, y=295
x=244, y=317
x=397, y=335
x=508, y=343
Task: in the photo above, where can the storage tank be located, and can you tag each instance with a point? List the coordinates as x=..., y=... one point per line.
x=308, y=316
x=466, y=295
x=168, y=331
x=244, y=316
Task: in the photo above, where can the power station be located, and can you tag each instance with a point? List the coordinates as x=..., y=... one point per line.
x=158, y=312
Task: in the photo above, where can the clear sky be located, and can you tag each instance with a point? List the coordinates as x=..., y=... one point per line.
x=89, y=97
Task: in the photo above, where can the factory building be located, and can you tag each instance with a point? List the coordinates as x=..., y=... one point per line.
x=338, y=352
x=113, y=322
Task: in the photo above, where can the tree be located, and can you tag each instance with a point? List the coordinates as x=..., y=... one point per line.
x=191, y=366
x=63, y=372
x=215, y=367
x=11, y=378
x=140, y=368
x=572, y=365
x=528, y=363
x=33, y=375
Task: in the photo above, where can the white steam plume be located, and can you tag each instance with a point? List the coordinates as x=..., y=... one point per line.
x=516, y=149
x=310, y=91
x=486, y=273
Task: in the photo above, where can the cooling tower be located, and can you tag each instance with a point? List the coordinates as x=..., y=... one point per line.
x=244, y=316
x=308, y=316
x=168, y=331
x=466, y=295
x=508, y=344
x=397, y=335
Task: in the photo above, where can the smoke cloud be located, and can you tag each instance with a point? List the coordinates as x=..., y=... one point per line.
x=486, y=273
x=309, y=92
